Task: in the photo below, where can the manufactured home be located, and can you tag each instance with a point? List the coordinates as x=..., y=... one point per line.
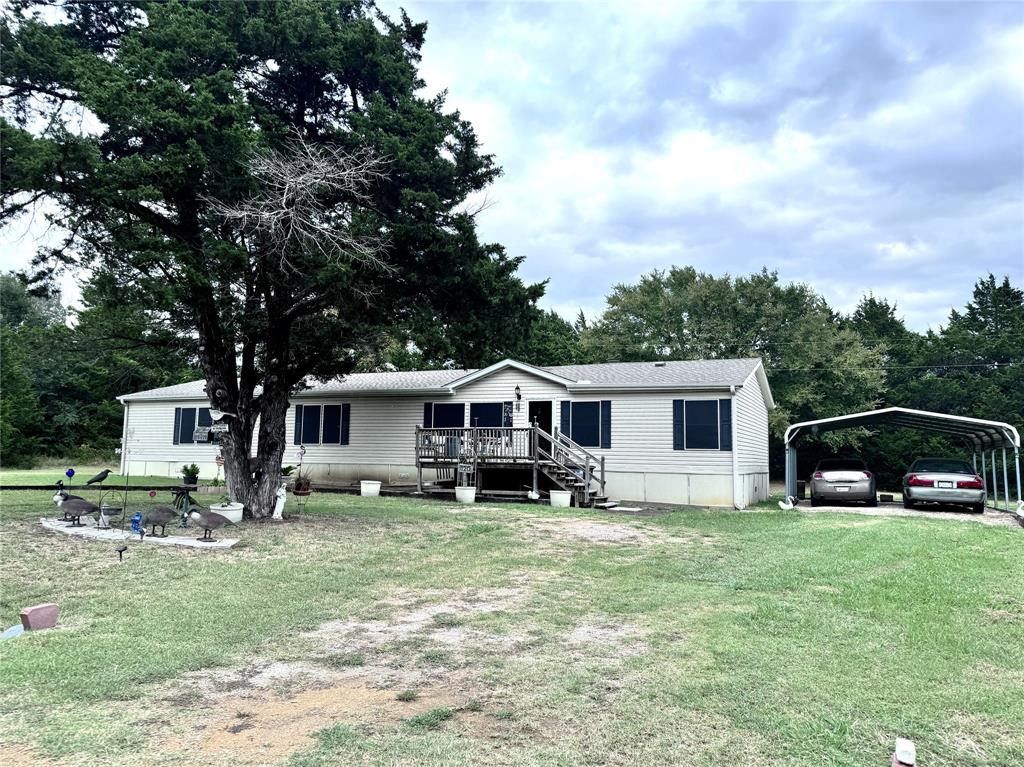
x=687, y=432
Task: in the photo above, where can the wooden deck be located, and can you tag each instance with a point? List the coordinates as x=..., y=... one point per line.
x=459, y=454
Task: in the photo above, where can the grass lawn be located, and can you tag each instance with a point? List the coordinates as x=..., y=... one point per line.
x=50, y=475
x=395, y=631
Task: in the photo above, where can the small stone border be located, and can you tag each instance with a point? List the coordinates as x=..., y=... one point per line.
x=99, y=534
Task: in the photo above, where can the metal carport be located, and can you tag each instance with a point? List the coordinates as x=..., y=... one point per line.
x=978, y=434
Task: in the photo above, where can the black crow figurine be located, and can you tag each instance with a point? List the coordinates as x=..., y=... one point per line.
x=99, y=478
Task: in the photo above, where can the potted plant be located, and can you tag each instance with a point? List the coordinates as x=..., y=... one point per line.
x=303, y=484
x=190, y=474
x=228, y=508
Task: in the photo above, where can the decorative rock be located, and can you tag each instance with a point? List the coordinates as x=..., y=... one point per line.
x=39, y=617
x=905, y=754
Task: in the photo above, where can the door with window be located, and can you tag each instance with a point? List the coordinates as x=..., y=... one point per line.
x=542, y=412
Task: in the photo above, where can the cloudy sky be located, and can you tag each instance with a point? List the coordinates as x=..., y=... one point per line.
x=861, y=147
x=857, y=147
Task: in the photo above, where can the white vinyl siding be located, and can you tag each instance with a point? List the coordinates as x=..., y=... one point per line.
x=641, y=426
x=751, y=414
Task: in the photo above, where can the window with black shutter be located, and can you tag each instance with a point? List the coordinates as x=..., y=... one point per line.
x=588, y=424
x=702, y=424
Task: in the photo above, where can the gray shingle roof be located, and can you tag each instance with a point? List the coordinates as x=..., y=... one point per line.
x=680, y=373
x=690, y=373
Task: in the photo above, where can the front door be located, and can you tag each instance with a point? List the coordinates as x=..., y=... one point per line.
x=542, y=412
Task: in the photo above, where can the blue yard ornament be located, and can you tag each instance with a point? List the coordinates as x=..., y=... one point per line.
x=137, y=522
x=69, y=473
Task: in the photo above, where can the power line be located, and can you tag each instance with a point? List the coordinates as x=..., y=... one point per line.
x=996, y=365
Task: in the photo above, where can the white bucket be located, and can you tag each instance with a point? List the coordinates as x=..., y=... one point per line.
x=561, y=498
x=232, y=511
x=465, y=494
x=369, y=488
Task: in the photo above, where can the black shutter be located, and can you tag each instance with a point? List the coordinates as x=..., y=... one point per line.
x=725, y=424
x=345, y=415
x=606, y=424
x=506, y=413
x=311, y=425
x=428, y=415
x=332, y=425
x=298, y=425
x=678, y=431
x=177, y=423
x=187, y=426
x=566, y=423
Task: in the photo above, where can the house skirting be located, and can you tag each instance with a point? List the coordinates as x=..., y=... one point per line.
x=640, y=486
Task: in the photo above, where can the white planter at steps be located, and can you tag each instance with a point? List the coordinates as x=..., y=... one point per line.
x=232, y=511
x=465, y=494
x=561, y=498
x=369, y=488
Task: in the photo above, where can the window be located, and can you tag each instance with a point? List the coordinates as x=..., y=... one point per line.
x=588, y=424
x=321, y=424
x=490, y=414
x=702, y=424
x=444, y=415
x=186, y=419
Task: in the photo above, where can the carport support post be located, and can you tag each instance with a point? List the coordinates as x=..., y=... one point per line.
x=1016, y=461
x=790, y=470
x=984, y=479
x=1006, y=482
x=995, y=481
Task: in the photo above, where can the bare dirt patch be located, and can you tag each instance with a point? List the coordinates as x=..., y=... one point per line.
x=250, y=729
x=607, y=639
x=264, y=711
x=430, y=621
x=596, y=531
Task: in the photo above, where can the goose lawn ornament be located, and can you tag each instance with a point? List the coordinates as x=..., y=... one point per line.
x=61, y=496
x=158, y=515
x=789, y=503
x=209, y=521
x=76, y=508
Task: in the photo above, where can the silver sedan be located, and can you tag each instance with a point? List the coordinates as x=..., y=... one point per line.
x=943, y=480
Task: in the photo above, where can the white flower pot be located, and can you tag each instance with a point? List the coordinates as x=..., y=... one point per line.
x=369, y=488
x=561, y=498
x=232, y=511
x=465, y=494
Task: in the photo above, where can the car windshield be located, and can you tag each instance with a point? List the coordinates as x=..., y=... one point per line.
x=947, y=465
x=841, y=464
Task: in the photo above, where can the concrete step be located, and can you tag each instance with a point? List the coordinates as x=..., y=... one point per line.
x=606, y=505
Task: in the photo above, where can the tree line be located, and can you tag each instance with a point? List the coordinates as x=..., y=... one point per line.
x=820, y=362
x=60, y=379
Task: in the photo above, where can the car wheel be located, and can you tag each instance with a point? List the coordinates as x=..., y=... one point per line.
x=815, y=501
x=907, y=503
x=873, y=501
x=978, y=508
